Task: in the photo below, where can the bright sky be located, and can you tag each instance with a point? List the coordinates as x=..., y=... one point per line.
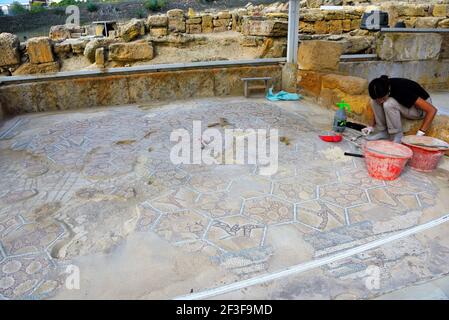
x=11, y=1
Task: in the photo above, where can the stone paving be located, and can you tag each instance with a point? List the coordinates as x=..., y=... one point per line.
x=80, y=183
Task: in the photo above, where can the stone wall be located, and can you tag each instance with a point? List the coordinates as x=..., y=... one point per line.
x=257, y=24
x=107, y=89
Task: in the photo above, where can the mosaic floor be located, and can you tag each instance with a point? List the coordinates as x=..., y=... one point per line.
x=77, y=185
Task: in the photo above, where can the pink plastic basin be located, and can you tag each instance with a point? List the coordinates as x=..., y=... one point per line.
x=385, y=160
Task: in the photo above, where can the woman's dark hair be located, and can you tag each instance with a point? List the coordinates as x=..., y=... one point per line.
x=379, y=88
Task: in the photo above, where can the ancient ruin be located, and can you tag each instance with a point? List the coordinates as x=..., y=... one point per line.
x=86, y=118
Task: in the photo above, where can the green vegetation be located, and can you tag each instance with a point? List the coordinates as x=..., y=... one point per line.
x=37, y=7
x=91, y=6
x=16, y=8
x=154, y=5
x=140, y=13
x=1, y=13
x=64, y=3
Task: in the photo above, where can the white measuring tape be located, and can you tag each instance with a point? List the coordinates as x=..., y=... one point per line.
x=311, y=264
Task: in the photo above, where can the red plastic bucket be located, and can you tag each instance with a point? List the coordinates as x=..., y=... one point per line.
x=385, y=160
x=425, y=159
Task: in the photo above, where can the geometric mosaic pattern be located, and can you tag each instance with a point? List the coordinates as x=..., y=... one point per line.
x=80, y=182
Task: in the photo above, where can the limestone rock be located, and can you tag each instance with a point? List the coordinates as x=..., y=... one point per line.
x=158, y=32
x=63, y=32
x=267, y=28
x=175, y=13
x=408, y=47
x=224, y=15
x=39, y=50
x=319, y=55
x=78, y=45
x=100, y=57
x=347, y=84
x=59, y=32
x=444, y=23
x=62, y=49
x=358, y=44
x=427, y=22
x=310, y=82
x=157, y=21
x=176, y=24
x=221, y=22
x=93, y=45
x=9, y=49
x=274, y=48
x=32, y=68
x=207, y=23
x=131, y=30
x=135, y=51
x=196, y=20
x=193, y=28
x=440, y=10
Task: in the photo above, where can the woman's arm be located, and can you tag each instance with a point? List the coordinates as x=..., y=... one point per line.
x=430, y=110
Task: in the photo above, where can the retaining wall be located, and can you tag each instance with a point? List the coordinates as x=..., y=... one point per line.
x=432, y=74
x=90, y=89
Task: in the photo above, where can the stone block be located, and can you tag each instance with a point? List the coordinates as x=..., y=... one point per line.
x=207, y=21
x=131, y=30
x=306, y=27
x=157, y=21
x=93, y=45
x=78, y=46
x=176, y=24
x=349, y=85
x=336, y=26
x=310, y=82
x=440, y=10
x=193, y=28
x=319, y=55
x=175, y=13
x=129, y=52
x=312, y=15
x=61, y=32
x=221, y=22
x=62, y=49
x=355, y=24
x=443, y=23
x=196, y=20
x=321, y=27
x=409, y=47
x=223, y=15
x=359, y=104
x=267, y=28
x=9, y=49
x=100, y=57
x=158, y=32
x=39, y=50
x=427, y=22
x=32, y=68
x=346, y=25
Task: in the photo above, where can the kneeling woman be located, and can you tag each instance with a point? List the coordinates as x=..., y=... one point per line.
x=393, y=97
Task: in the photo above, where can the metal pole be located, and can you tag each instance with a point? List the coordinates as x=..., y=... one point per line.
x=293, y=31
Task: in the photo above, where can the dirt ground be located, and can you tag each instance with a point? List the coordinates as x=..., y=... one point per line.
x=204, y=47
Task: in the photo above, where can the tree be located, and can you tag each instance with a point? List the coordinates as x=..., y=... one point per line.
x=16, y=8
x=154, y=5
x=1, y=12
x=37, y=7
x=91, y=7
